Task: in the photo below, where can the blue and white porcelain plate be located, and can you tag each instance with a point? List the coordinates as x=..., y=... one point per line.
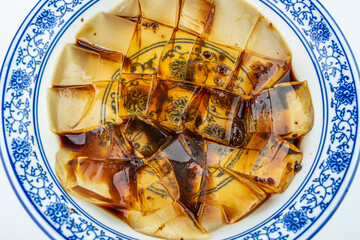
x=321, y=56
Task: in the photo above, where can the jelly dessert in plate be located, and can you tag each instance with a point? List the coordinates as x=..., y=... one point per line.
x=178, y=124
x=175, y=132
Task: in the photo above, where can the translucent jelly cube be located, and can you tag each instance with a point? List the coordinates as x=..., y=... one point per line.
x=274, y=46
x=99, y=181
x=257, y=72
x=268, y=160
x=194, y=15
x=69, y=106
x=169, y=101
x=212, y=113
x=285, y=110
x=207, y=51
x=184, y=225
x=164, y=170
x=171, y=222
x=152, y=193
x=292, y=110
x=210, y=212
x=135, y=94
x=210, y=74
x=108, y=32
x=188, y=161
x=127, y=8
x=104, y=142
x=259, y=114
x=217, y=154
x=82, y=108
x=79, y=66
x=164, y=11
x=175, y=56
x=145, y=136
x=109, y=68
x=146, y=47
x=237, y=196
x=232, y=23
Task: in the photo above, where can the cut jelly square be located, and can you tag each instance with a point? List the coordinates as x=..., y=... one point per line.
x=217, y=154
x=108, y=32
x=292, y=109
x=80, y=66
x=82, y=108
x=175, y=56
x=135, y=94
x=232, y=23
x=77, y=66
x=128, y=8
x=163, y=11
x=169, y=222
x=107, y=142
x=285, y=110
x=187, y=158
x=146, y=137
x=98, y=181
x=211, y=114
x=210, y=74
x=194, y=15
x=146, y=47
x=104, y=142
x=257, y=72
x=109, y=69
x=169, y=101
x=274, y=46
x=235, y=203
x=211, y=64
x=164, y=170
x=152, y=193
x=267, y=160
x=212, y=52
x=210, y=214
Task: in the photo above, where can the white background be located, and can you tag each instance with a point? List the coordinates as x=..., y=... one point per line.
x=15, y=223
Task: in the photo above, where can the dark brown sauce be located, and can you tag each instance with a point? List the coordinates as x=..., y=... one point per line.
x=296, y=141
x=289, y=76
x=73, y=141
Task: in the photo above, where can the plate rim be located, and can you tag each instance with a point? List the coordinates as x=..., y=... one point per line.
x=32, y=13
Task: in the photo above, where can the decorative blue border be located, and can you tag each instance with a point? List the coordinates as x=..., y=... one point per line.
x=20, y=87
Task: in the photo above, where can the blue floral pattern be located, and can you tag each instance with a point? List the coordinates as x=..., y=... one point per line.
x=319, y=32
x=38, y=185
x=21, y=149
x=46, y=20
x=20, y=80
x=295, y=220
x=58, y=212
x=338, y=161
x=345, y=94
